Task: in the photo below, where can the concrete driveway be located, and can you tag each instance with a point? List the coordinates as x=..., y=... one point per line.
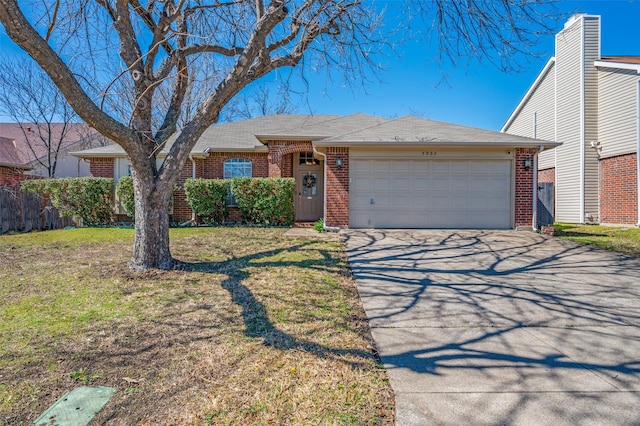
x=501, y=327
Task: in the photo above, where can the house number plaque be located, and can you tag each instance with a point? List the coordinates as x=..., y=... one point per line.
x=429, y=153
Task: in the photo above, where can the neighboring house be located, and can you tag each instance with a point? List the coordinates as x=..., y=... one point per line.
x=33, y=140
x=12, y=166
x=591, y=104
x=362, y=171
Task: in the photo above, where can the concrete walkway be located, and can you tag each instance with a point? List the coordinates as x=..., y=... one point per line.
x=502, y=327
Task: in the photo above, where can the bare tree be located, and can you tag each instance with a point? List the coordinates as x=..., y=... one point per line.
x=41, y=112
x=97, y=50
x=259, y=102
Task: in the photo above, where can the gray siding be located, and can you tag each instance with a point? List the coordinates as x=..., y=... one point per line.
x=541, y=105
x=569, y=101
x=618, y=109
x=591, y=54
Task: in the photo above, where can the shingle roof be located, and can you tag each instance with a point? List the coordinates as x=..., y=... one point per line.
x=410, y=130
x=333, y=130
x=326, y=128
x=241, y=135
x=237, y=136
x=9, y=154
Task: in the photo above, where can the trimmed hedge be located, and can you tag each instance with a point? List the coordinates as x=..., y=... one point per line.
x=124, y=192
x=265, y=201
x=207, y=198
x=89, y=199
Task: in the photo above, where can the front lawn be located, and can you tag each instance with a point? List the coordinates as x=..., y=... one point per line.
x=621, y=239
x=260, y=329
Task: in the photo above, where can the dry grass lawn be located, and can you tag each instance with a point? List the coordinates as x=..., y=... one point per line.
x=615, y=238
x=259, y=329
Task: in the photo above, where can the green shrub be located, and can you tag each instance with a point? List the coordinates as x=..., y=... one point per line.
x=88, y=199
x=124, y=192
x=265, y=201
x=207, y=198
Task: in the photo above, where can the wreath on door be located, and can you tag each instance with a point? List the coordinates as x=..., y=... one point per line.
x=309, y=181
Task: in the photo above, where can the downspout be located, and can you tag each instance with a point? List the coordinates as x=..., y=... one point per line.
x=324, y=194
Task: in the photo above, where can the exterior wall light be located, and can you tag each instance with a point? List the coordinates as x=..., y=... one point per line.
x=527, y=163
x=339, y=162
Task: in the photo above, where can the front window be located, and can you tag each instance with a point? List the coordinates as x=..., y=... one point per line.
x=307, y=159
x=236, y=167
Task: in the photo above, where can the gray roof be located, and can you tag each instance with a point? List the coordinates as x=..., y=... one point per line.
x=333, y=130
x=241, y=135
x=410, y=130
x=325, y=128
x=238, y=136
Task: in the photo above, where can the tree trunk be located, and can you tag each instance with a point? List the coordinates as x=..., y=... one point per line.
x=151, y=242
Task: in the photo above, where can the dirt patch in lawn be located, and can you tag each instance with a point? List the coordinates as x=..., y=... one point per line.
x=259, y=329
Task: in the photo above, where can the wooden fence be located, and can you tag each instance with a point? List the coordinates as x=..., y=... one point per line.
x=22, y=211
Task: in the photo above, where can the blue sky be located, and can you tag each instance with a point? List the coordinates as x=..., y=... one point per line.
x=477, y=95
x=480, y=95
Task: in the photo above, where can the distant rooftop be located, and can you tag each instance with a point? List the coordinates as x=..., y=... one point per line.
x=621, y=59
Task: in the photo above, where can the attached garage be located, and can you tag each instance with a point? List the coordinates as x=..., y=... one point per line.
x=417, y=173
x=388, y=193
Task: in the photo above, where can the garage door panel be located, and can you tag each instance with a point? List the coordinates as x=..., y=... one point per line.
x=431, y=193
x=440, y=183
x=401, y=167
x=400, y=184
x=418, y=167
x=360, y=202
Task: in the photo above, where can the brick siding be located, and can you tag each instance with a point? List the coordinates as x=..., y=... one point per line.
x=547, y=175
x=9, y=176
x=281, y=156
x=524, y=188
x=619, y=190
x=337, y=188
x=102, y=167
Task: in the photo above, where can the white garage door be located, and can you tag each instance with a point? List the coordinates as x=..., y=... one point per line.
x=430, y=194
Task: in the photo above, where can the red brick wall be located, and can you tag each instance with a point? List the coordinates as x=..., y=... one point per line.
x=181, y=210
x=287, y=166
x=337, y=188
x=547, y=175
x=10, y=176
x=619, y=189
x=102, y=167
x=281, y=158
x=524, y=188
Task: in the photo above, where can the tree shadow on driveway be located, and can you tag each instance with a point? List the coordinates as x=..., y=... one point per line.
x=502, y=312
